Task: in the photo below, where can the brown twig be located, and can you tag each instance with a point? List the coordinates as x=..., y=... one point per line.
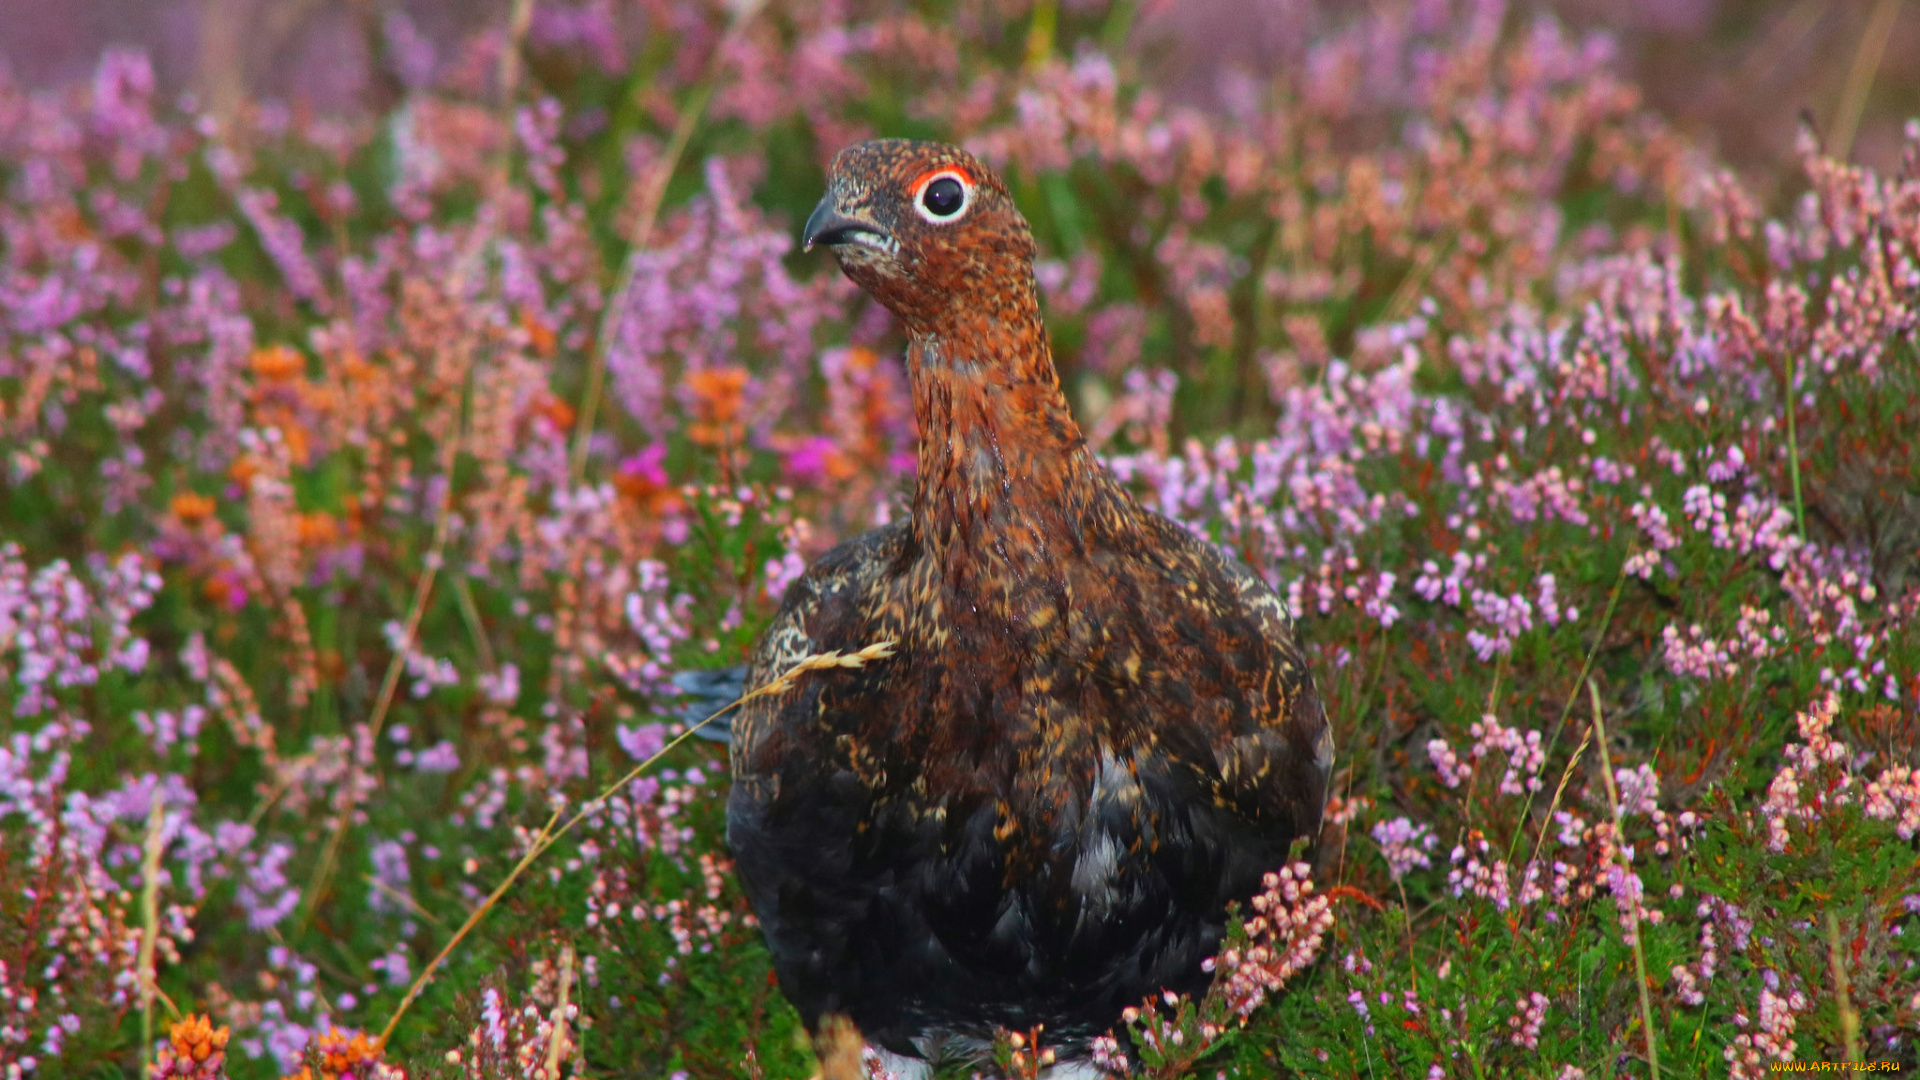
x=518, y=20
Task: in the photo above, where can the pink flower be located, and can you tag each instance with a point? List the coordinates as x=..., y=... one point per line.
x=1403, y=844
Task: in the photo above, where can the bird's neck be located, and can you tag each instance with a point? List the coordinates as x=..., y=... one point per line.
x=1007, y=487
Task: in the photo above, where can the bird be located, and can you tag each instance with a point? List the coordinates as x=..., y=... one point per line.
x=1095, y=730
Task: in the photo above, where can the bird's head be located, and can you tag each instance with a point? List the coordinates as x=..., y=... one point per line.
x=924, y=227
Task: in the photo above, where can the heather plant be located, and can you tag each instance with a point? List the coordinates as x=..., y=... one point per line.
x=366, y=479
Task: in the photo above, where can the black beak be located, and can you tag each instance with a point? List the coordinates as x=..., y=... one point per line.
x=828, y=226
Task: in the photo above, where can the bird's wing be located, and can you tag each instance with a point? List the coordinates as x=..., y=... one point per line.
x=706, y=691
x=829, y=607
x=1280, y=763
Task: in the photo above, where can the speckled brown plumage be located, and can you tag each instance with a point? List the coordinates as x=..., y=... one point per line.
x=1097, y=730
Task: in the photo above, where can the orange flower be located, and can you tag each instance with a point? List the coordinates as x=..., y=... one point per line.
x=355, y=366
x=70, y=224
x=191, y=506
x=318, y=529
x=243, y=469
x=292, y=430
x=539, y=334
x=277, y=363
x=718, y=396
x=299, y=446
x=653, y=498
x=642, y=478
x=225, y=590
x=341, y=1056
x=555, y=410
x=197, y=1038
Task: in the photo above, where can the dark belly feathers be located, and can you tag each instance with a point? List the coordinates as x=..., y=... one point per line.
x=962, y=838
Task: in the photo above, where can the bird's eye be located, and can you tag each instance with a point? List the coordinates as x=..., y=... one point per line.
x=943, y=197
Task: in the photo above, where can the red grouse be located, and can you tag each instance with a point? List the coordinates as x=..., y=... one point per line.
x=1095, y=731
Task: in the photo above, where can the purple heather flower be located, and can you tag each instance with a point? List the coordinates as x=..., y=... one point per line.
x=1404, y=845
x=643, y=741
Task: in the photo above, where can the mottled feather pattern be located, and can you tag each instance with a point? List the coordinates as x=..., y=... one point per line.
x=1096, y=731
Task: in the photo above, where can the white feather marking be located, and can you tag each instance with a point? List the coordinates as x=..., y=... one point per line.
x=1093, y=871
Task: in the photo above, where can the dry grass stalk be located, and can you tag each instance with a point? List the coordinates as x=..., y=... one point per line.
x=1566, y=776
x=1843, y=992
x=1586, y=668
x=1860, y=76
x=548, y=834
x=534, y=850
x=150, y=924
x=560, y=1045
x=518, y=20
x=404, y=899
x=423, y=589
x=1632, y=909
x=879, y=650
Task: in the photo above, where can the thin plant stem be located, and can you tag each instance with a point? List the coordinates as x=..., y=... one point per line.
x=1040, y=33
x=534, y=850
x=1843, y=992
x=470, y=611
x=1493, y=698
x=405, y=899
x=1793, y=451
x=1633, y=913
x=652, y=192
x=150, y=924
x=1866, y=66
x=1566, y=776
x=1406, y=912
x=272, y=796
x=557, y=1043
x=1373, y=684
x=1406, y=296
x=1573, y=694
x=1786, y=37
x=519, y=19
x=423, y=589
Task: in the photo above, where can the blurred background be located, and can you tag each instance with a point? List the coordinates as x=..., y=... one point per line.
x=1738, y=75
x=381, y=430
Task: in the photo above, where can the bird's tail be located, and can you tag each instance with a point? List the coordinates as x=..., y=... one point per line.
x=706, y=691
